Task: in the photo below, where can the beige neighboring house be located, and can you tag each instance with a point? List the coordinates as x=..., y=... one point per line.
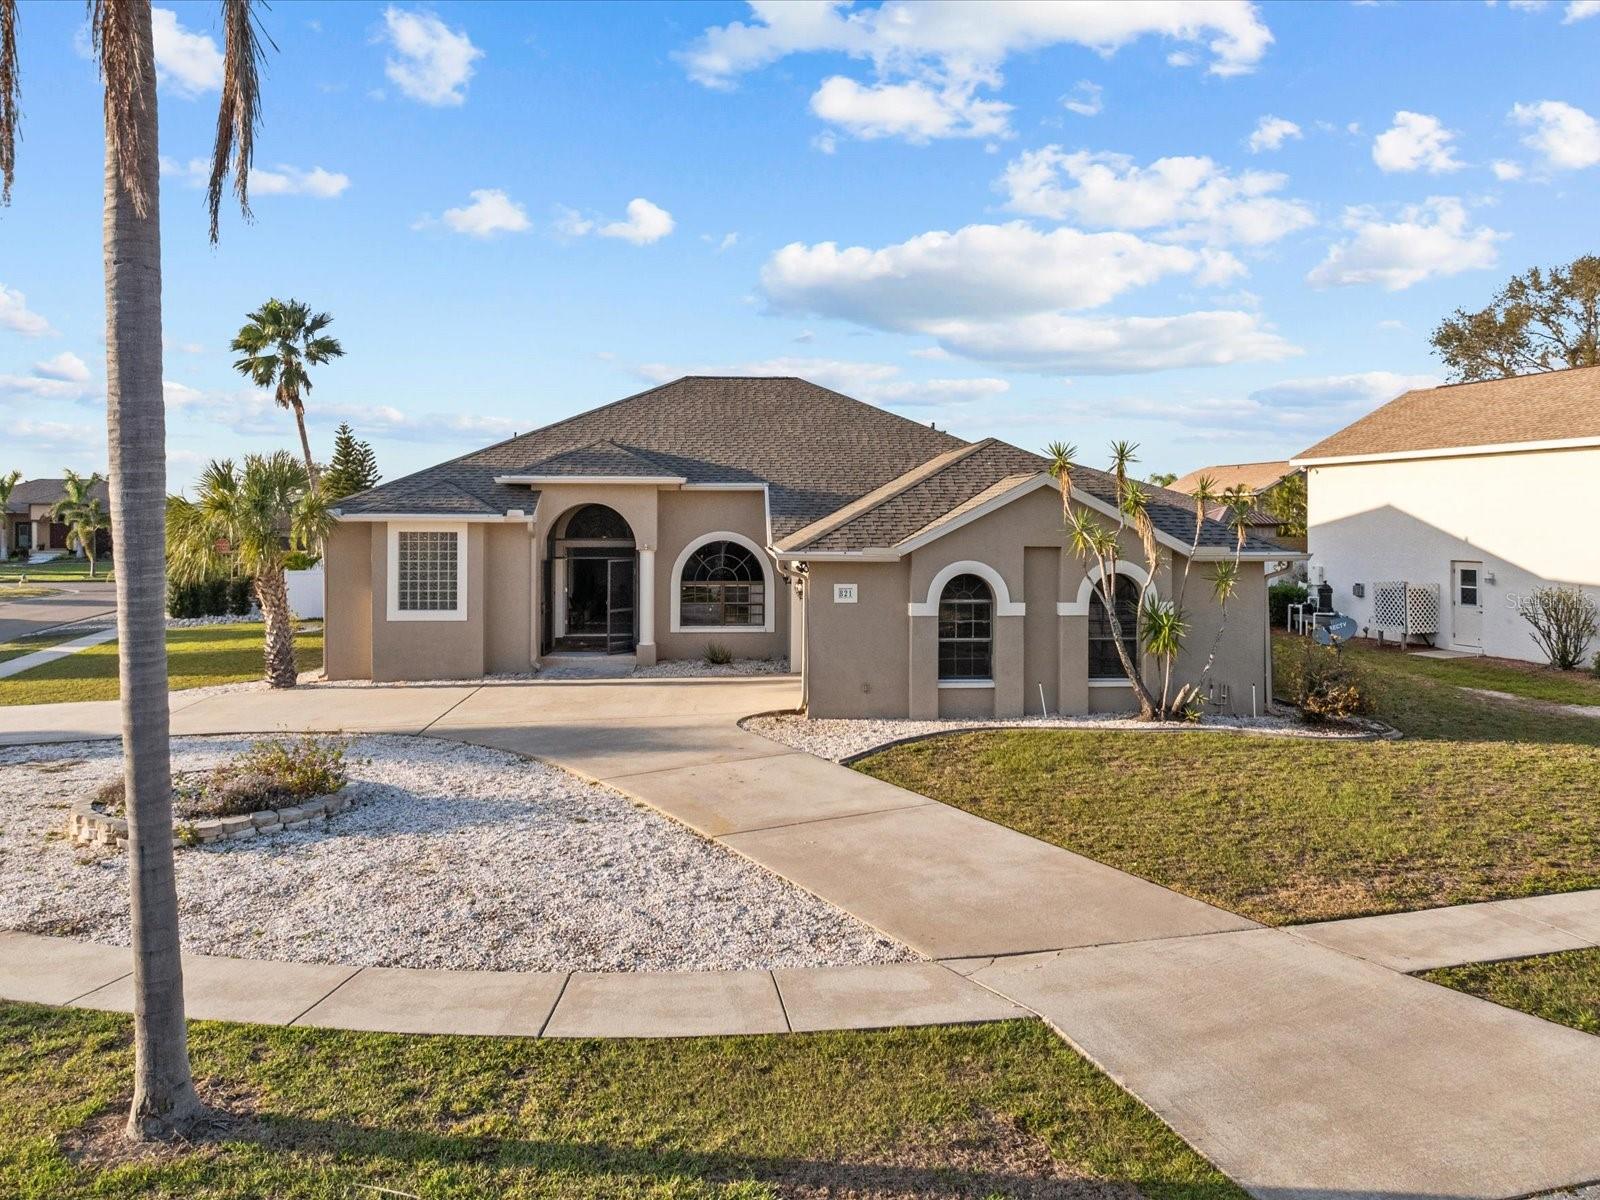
x=27, y=523
x=1262, y=478
x=1476, y=493
x=902, y=570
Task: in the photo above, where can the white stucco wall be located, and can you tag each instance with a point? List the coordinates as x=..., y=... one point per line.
x=1529, y=518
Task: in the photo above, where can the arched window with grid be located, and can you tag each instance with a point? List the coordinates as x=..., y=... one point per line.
x=722, y=585
x=1103, y=660
x=966, y=629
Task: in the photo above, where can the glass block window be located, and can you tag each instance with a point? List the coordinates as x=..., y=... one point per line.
x=1103, y=660
x=966, y=629
x=722, y=585
x=427, y=571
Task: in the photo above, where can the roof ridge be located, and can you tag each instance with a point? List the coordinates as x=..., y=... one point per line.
x=882, y=494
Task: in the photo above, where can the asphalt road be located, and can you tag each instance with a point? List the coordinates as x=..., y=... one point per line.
x=72, y=602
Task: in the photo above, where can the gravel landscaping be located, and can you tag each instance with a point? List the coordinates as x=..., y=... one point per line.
x=450, y=856
x=698, y=668
x=839, y=739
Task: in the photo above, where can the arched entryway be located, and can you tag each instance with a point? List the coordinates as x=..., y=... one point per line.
x=591, y=583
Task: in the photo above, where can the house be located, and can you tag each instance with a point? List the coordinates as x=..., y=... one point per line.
x=27, y=518
x=901, y=569
x=1264, y=479
x=1474, y=494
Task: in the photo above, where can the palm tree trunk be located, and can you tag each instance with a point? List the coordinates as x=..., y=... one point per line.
x=305, y=442
x=273, y=595
x=164, y=1098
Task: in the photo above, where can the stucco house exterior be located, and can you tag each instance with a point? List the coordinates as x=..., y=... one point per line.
x=1477, y=492
x=27, y=524
x=902, y=570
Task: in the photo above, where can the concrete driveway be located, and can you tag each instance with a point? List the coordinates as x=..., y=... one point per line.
x=72, y=601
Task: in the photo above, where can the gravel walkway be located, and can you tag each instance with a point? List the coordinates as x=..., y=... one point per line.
x=453, y=856
x=839, y=739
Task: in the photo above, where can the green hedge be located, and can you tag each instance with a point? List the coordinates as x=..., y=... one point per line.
x=210, y=598
x=1280, y=596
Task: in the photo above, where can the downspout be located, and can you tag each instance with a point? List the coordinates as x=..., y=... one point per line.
x=797, y=576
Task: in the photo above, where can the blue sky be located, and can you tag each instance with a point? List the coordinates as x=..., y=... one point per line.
x=1220, y=230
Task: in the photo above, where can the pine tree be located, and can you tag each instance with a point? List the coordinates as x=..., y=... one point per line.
x=354, y=467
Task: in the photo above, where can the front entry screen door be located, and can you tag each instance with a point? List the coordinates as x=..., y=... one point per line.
x=620, y=585
x=1466, y=604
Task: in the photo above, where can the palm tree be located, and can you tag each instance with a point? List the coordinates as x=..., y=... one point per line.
x=248, y=512
x=282, y=338
x=164, y=1098
x=82, y=514
x=8, y=483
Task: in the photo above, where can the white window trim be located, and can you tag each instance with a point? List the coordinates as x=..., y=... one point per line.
x=1080, y=607
x=1004, y=606
x=769, y=599
x=1111, y=683
x=396, y=528
x=958, y=684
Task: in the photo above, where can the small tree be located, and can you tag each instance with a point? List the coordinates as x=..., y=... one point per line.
x=1540, y=321
x=72, y=509
x=1286, y=502
x=84, y=524
x=1564, y=621
x=354, y=467
x=258, y=516
x=1163, y=478
x=1162, y=624
x=8, y=484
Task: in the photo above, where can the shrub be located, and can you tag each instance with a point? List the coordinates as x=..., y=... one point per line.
x=299, y=560
x=241, y=595
x=209, y=598
x=1330, y=687
x=1564, y=622
x=270, y=774
x=1280, y=596
x=718, y=655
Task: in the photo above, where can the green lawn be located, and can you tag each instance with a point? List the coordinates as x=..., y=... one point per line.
x=1483, y=799
x=196, y=657
x=66, y=567
x=1564, y=987
x=973, y=1112
x=1529, y=680
x=24, y=591
x=36, y=641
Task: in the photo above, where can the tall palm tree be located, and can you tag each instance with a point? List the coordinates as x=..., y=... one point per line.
x=82, y=513
x=280, y=340
x=75, y=491
x=164, y=1099
x=248, y=512
x=8, y=482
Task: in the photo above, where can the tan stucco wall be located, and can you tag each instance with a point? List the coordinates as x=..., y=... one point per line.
x=876, y=641
x=347, y=611
x=685, y=516
x=508, y=598
x=428, y=649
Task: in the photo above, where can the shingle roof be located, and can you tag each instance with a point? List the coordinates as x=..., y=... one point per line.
x=599, y=458
x=816, y=449
x=1546, y=407
x=1257, y=476
x=48, y=491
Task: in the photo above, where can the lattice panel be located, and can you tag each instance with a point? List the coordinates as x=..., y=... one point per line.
x=1413, y=607
x=1389, y=605
x=1422, y=604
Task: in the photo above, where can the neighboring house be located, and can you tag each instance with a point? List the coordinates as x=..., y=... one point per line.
x=1262, y=478
x=902, y=570
x=28, y=525
x=1481, y=492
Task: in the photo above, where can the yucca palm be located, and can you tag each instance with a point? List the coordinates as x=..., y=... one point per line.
x=164, y=1099
x=279, y=341
x=8, y=484
x=250, y=520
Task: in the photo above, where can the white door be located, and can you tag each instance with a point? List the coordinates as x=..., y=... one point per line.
x=1466, y=605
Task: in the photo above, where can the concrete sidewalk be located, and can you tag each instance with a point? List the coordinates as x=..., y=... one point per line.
x=27, y=662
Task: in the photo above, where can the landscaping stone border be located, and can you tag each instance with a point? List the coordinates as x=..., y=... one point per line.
x=88, y=826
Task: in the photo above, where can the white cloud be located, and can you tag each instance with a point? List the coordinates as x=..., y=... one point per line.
x=285, y=180
x=1504, y=170
x=931, y=353
x=252, y=412
x=1001, y=293
x=929, y=60
x=914, y=110
x=188, y=63
x=826, y=142
x=1415, y=142
x=16, y=316
x=1567, y=137
x=1271, y=132
x=726, y=242
x=491, y=212
x=645, y=223
x=1188, y=198
x=1580, y=10
x=429, y=62
x=877, y=383
x=1429, y=240
x=66, y=366
x=1086, y=99
x=57, y=441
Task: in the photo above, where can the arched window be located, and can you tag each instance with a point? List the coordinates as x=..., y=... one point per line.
x=722, y=585
x=1103, y=660
x=596, y=522
x=966, y=629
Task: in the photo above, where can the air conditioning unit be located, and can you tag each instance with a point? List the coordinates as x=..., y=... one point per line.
x=1411, y=608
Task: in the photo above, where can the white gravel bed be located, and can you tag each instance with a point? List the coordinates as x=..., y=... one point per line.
x=698, y=668
x=253, y=618
x=838, y=739
x=452, y=856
